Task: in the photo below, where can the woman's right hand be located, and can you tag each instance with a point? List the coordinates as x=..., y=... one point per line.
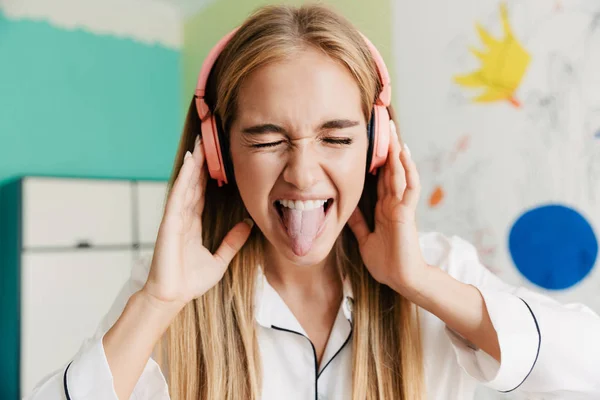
x=182, y=268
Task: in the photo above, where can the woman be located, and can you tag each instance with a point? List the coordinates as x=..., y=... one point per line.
x=319, y=300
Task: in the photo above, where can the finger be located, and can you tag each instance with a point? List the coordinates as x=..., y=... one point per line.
x=359, y=226
x=178, y=191
x=188, y=202
x=384, y=189
x=191, y=199
x=233, y=242
x=195, y=214
x=197, y=201
x=381, y=182
x=198, y=151
x=397, y=172
x=413, y=183
x=387, y=177
x=203, y=177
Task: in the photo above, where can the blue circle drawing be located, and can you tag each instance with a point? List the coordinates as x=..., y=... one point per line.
x=553, y=246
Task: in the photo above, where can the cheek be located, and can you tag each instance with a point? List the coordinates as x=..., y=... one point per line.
x=355, y=161
x=348, y=174
x=350, y=178
x=350, y=162
x=256, y=168
x=255, y=177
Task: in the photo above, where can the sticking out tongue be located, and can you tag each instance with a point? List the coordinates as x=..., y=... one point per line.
x=302, y=227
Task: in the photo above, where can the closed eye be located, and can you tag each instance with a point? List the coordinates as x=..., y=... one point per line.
x=340, y=141
x=265, y=145
x=336, y=141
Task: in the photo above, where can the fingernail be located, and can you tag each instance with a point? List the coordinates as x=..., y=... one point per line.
x=187, y=155
x=249, y=222
x=197, y=141
x=407, y=149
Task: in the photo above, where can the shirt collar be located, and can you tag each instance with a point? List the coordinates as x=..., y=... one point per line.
x=270, y=310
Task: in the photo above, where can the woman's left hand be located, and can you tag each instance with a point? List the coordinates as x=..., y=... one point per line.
x=392, y=252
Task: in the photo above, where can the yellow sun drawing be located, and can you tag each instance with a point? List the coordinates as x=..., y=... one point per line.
x=503, y=64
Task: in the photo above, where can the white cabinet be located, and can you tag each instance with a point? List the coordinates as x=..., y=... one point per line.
x=150, y=200
x=64, y=296
x=66, y=248
x=71, y=212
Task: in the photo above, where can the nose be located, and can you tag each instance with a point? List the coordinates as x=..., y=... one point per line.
x=302, y=169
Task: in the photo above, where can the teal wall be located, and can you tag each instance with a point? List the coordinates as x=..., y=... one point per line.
x=73, y=103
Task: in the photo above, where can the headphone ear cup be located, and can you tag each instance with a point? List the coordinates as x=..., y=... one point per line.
x=210, y=142
x=224, y=148
x=381, y=137
x=211, y=152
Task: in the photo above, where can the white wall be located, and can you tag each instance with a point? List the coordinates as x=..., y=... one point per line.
x=495, y=161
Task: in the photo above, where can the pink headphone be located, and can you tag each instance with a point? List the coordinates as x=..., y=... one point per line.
x=217, y=158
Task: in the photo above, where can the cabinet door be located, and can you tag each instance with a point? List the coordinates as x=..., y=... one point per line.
x=151, y=199
x=64, y=296
x=70, y=212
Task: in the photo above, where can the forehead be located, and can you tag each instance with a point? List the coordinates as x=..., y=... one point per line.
x=308, y=86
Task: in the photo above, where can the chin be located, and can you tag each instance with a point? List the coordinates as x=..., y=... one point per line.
x=317, y=254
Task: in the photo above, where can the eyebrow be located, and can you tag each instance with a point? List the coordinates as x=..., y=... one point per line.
x=272, y=128
x=263, y=128
x=339, y=124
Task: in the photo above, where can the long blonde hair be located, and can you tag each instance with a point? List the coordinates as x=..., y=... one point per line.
x=212, y=350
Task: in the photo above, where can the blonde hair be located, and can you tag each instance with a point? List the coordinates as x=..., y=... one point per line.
x=212, y=350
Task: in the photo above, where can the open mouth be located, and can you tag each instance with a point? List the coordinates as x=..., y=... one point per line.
x=303, y=221
x=302, y=205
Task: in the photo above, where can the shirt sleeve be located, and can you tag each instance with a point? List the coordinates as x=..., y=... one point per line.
x=546, y=347
x=88, y=376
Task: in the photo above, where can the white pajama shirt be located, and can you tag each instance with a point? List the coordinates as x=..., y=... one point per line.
x=548, y=349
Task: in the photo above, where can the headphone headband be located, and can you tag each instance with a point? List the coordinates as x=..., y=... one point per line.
x=384, y=99
x=207, y=65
